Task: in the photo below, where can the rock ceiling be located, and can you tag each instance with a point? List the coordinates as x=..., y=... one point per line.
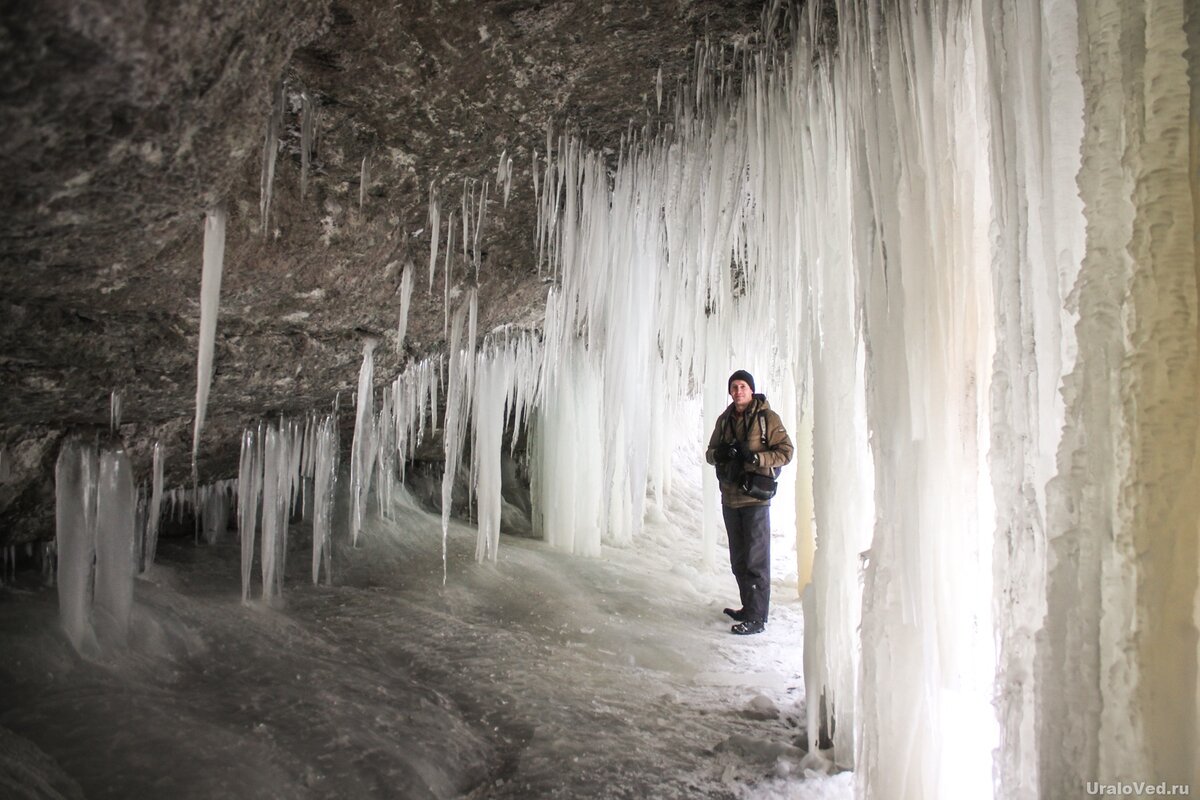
x=125, y=120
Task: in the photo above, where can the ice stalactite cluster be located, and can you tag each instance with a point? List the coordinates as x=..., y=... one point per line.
x=965, y=233
x=506, y=375
x=285, y=466
x=96, y=502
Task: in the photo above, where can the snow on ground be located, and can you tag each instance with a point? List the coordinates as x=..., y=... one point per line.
x=543, y=675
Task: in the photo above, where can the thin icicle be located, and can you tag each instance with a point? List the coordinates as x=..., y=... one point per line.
x=435, y=229
x=308, y=127
x=154, y=514
x=364, y=179
x=114, y=411
x=324, y=492
x=406, y=287
x=269, y=155
x=250, y=477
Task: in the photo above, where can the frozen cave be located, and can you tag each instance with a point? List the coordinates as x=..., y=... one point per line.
x=359, y=361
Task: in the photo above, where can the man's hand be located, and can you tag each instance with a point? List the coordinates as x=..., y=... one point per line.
x=725, y=453
x=742, y=452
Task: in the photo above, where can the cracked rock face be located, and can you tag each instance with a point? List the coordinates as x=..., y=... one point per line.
x=124, y=121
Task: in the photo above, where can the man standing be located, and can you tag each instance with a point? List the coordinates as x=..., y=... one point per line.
x=748, y=445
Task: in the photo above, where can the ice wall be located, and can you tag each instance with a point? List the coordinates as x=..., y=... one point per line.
x=965, y=232
x=1117, y=665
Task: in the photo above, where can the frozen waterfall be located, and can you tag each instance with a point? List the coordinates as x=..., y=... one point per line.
x=936, y=232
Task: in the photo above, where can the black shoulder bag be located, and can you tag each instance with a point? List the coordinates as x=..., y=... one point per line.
x=757, y=485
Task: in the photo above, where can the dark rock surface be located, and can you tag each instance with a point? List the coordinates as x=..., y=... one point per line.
x=123, y=121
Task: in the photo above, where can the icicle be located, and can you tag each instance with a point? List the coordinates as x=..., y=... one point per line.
x=323, y=497
x=362, y=449
x=114, y=411
x=434, y=232
x=508, y=180
x=364, y=180
x=154, y=513
x=446, y=279
x=273, y=519
x=210, y=294
x=250, y=483
x=308, y=125
x=456, y=419
x=270, y=153
x=406, y=286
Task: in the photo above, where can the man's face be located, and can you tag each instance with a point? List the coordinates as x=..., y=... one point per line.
x=741, y=393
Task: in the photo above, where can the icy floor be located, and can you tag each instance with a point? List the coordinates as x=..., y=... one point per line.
x=541, y=676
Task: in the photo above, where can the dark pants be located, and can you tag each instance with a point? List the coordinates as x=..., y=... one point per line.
x=749, y=531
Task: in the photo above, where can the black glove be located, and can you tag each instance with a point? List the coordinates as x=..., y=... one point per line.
x=724, y=453
x=742, y=451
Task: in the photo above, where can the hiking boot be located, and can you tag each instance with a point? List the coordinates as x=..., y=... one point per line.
x=738, y=615
x=748, y=627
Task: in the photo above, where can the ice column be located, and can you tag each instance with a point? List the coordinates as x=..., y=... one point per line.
x=96, y=503
x=76, y=473
x=116, y=502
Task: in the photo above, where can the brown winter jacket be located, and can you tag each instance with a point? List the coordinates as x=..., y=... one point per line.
x=747, y=428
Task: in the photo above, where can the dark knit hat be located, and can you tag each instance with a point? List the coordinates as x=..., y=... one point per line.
x=741, y=375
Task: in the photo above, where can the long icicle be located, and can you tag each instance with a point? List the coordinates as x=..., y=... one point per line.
x=210, y=295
